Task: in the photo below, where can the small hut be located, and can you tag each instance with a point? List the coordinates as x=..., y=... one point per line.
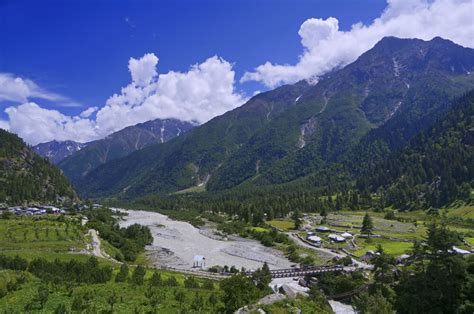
x=199, y=261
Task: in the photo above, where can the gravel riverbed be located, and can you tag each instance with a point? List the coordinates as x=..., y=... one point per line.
x=176, y=243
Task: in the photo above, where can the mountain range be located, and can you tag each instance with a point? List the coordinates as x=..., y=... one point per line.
x=364, y=110
x=78, y=159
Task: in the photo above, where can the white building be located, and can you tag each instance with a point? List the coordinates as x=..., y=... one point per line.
x=323, y=229
x=460, y=251
x=314, y=239
x=199, y=261
x=336, y=238
x=346, y=235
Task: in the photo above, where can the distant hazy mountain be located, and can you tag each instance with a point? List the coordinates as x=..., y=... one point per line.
x=56, y=151
x=385, y=97
x=120, y=144
x=27, y=177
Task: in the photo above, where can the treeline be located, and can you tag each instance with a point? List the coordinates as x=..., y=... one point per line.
x=57, y=271
x=26, y=177
x=263, y=204
x=130, y=241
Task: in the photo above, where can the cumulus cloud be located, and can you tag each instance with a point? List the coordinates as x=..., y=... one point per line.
x=36, y=125
x=17, y=89
x=143, y=70
x=325, y=47
x=88, y=112
x=198, y=95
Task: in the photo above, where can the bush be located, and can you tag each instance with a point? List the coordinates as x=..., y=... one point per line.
x=3, y=292
x=138, y=275
x=208, y=285
x=190, y=282
x=172, y=282
x=122, y=275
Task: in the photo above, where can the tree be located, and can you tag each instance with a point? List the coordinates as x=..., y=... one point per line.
x=138, y=275
x=111, y=300
x=238, y=291
x=323, y=214
x=122, y=275
x=316, y=296
x=262, y=277
x=297, y=219
x=43, y=295
x=180, y=297
x=155, y=280
x=365, y=303
x=367, y=225
x=213, y=300
x=152, y=295
x=78, y=303
x=198, y=302
x=190, y=282
x=435, y=280
x=61, y=309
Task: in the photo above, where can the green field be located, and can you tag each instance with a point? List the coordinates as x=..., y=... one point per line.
x=52, y=237
x=409, y=226
x=462, y=211
x=390, y=247
x=284, y=225
x=129, y=297
x=48, y=236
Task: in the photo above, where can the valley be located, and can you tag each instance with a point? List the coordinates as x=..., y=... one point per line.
x=350, y=191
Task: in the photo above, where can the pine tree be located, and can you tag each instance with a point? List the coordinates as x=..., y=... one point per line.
x=367, y=225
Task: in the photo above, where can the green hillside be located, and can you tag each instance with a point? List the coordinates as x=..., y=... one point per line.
x=27, y=177
x=436, y=168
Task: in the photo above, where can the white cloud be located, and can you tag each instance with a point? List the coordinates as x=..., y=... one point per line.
x=35, y=124
x=88, y=112
x=17, y=89
x=143, y=70
x=205, y=91
x=326, y=47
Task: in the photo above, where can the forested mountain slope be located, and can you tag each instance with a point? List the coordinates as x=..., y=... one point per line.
x=390, y=93
x=26, y=177
x=190, y=159
x=120, y=144
x=436, y=167
x=398, y=87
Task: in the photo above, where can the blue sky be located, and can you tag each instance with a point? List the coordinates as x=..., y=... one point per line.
x=59, y=59
x=80, y=49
